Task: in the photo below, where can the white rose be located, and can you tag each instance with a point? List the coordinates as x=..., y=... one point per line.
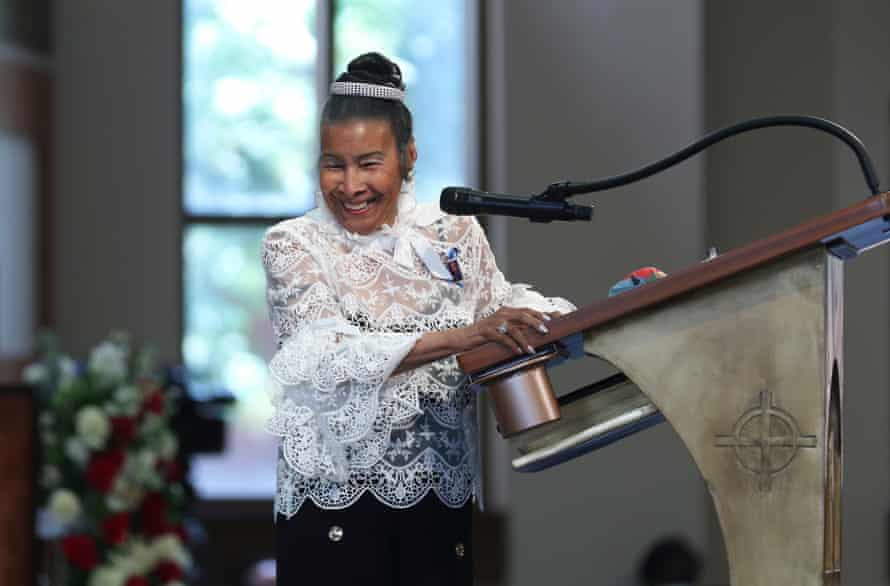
x=64, y=505
x=108, y=361
x=151, y=423
x=126, y=394
x=50, y=476
x=129, y=399
x=125, y=494
x=138, y=559
x=49, y=438
x=118, y=557
x=114, y=504
x=35, y=374
x=140, y=468
x=46, y=419
x=145, y=463
x=107, y=576
x=93, y=426
x=77, y=451
x=67, y=371
x=168, y=445
x=170, y=547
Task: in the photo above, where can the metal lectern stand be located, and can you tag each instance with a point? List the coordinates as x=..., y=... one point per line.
x=743, y=356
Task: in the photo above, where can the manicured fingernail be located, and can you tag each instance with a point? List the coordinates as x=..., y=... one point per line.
x=543, y=329
x=518, y=350
x=547, y=317
x=530, y=349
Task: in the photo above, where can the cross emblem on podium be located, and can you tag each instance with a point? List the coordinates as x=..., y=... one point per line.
x=766, y=440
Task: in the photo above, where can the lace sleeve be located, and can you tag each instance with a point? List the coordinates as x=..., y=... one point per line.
x=331, y=384
x=494, y=291
x=297, y=290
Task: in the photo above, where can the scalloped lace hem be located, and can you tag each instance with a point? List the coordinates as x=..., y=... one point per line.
x=453, y=485
x=470, y=496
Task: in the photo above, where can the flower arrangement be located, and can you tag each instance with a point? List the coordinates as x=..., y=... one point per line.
x=111, y=483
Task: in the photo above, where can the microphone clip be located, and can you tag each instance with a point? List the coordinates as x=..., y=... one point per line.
x=558, y=191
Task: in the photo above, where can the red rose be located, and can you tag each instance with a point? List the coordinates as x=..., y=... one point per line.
x=136, y=581
x=123, y=429
x=103, y=469
x=168, y=571
x=179, y=531
x=153, y=514
x=116, y=527
x=154, y=402
x=171, y=470
x=80, y=551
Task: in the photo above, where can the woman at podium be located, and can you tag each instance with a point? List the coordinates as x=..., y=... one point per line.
x=371, y=294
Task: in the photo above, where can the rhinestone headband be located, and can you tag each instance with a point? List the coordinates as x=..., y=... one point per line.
x=367, y=90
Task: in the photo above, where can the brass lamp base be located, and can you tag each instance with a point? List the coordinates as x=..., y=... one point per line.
x=521, y=393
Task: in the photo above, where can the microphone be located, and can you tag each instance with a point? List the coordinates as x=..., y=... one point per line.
x=462, y=201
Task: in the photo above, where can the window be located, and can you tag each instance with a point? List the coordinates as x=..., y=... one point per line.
x=251, y=91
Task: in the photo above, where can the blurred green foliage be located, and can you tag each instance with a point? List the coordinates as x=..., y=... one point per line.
x=249, y=106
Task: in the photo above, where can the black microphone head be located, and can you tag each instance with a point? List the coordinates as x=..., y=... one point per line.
x=453, y=200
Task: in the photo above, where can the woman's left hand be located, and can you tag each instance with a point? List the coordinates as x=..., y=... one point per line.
x=505, y=327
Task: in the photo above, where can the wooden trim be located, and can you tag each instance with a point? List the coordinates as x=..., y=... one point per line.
x=19, y=452
x=11, y=370
x=24, y=99
x=806, y=235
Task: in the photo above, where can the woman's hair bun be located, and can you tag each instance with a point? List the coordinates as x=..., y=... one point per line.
x=373, y=68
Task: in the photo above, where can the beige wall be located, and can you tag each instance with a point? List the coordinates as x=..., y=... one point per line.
x=829, y=59
x=767, y=58
x=595, y=89
x=116, y=172
x=862, y=102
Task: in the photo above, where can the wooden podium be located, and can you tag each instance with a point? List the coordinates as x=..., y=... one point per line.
x=742, y=355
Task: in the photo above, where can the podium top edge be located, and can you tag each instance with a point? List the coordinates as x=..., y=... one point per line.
x=809, y=234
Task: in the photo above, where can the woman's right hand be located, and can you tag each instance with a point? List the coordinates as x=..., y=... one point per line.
x=505, y=327
x=439, y=344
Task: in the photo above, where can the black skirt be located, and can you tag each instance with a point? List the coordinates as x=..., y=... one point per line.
x=369, y=543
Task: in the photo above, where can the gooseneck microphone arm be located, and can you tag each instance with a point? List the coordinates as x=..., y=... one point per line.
x=551, y=203
x=560, y=191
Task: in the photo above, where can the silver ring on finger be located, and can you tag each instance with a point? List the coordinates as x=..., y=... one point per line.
x=503, y=328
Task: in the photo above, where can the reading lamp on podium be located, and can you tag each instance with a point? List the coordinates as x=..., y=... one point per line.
x=520, y=389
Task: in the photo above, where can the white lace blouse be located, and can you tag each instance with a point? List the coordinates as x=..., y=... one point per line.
x=346, y=309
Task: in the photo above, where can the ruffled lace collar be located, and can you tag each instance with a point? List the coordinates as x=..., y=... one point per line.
x=402, y=239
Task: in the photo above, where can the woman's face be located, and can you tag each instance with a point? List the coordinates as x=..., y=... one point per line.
x=359, y=173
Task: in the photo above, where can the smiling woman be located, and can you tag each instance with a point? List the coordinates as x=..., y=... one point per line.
x=361, y=174
x=367, y=146
x=371, y=294
x=251, y=111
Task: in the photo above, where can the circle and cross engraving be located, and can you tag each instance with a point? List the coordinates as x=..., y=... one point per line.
x=766, y=440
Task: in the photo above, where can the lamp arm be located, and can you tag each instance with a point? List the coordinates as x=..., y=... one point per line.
x=560, y=191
